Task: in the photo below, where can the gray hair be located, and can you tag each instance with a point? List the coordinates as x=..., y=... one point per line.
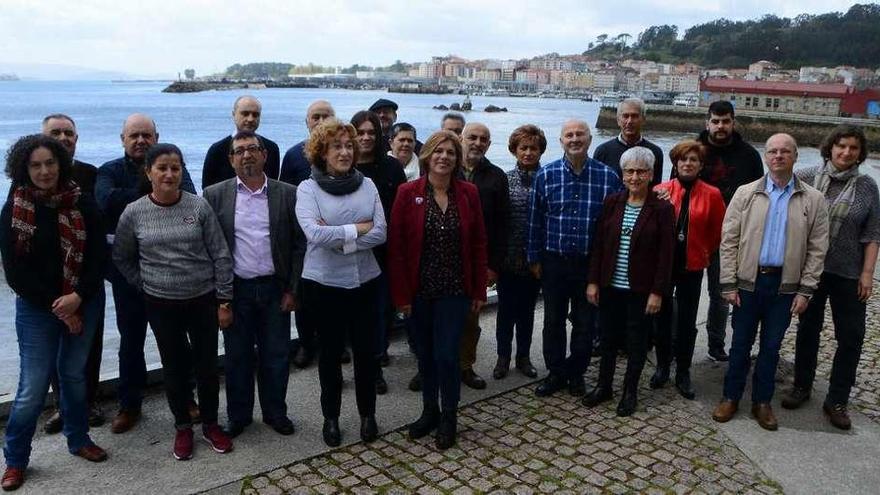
x=636, y=102
x=637, y=155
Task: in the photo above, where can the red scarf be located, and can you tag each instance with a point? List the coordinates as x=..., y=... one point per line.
x=71, y=226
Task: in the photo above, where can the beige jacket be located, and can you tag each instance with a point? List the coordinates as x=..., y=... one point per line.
x=806, y=238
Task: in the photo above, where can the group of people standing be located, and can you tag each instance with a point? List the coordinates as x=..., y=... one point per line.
x=361, y=223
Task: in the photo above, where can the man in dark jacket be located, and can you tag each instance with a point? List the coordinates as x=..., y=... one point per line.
x=119, y=183
x=630, y=119
x=730, y=163
x=492, y=186
x=246, y=113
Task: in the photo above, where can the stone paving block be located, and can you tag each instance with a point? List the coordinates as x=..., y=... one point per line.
x=270, y=490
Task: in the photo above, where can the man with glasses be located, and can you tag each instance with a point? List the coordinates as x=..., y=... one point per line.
x=257, y=217
x=246, y=114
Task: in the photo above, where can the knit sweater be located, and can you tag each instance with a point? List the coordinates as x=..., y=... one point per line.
x=520, y=185
x=173, y=251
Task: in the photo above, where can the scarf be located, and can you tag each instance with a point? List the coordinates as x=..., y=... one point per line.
x=839, y=208
x=338, y=186
x=71, y=226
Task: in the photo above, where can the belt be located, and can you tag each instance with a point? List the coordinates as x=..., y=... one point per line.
x=769, y=270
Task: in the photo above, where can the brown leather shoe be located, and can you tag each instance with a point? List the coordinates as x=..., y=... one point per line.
x=763, y=414
x=125, y=420
x=725, y=410
x=13, y=478
x=92, y=453
x=837, y=415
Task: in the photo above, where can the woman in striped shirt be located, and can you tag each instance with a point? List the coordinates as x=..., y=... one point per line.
x=630, y=267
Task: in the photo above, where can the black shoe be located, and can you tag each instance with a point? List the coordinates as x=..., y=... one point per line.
x=426, y=423
x=282, y=425
x=369, y=429
x=628, y=402
x=550, y=386
x=524, y=365
x=381, y=384
x=415, y=383
x=54, y=424
x=597, y=396
x=684, y=386
x=502, y=366
x=384, y=360
x=345, y=358
x=472, y=380
x=332, y=436
x=96, y=416
x=661, y=376
x=718, y=355
x=446, y=431
x=794, y=398
x=303, y=357
x=234, y=428
x=577, y=387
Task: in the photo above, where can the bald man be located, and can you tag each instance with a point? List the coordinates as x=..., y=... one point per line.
x=295, y=168
x=773, y=245
x=246, y=114
x=120, y=182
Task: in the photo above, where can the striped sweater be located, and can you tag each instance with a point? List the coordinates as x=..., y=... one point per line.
x=173, y=251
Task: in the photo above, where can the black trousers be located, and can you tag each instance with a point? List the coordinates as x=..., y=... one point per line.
x=186, y=334
x=677, y=323
x=346, y=315
x=625, y=325
x=848, y=315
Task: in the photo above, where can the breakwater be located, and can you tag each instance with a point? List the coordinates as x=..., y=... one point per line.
x=808, y=130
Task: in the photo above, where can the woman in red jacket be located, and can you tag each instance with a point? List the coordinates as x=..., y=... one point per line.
x=437, y=265
x=630, y=267
x=699, y=213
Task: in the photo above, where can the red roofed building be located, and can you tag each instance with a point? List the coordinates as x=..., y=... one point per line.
x=790, y=97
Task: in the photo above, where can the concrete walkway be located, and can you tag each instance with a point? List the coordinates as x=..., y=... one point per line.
x=510, y=442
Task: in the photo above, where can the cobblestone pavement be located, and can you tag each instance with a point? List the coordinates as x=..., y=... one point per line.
x=518, y=443
x=865, y=396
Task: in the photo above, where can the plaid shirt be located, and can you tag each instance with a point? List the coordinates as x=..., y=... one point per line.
x=563, y=206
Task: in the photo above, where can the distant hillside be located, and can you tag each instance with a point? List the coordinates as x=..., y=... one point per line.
x=832, y=39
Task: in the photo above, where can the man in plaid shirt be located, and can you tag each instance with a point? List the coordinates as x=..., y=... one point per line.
x=565, y=203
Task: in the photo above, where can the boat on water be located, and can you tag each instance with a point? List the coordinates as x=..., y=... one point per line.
x=686, y=100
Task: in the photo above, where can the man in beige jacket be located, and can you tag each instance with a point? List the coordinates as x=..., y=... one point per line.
x=773, y=246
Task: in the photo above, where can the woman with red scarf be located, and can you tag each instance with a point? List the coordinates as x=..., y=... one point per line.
x=53, y=257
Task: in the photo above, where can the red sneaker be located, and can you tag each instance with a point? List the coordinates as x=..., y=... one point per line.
x=183, y=444
x=215, y=437
x=13, y=478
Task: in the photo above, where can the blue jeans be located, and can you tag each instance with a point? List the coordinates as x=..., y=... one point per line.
x=772, y=310
x=44, y=345
x=437, y=331
x=564, y=282
x=517, y=295
x=131, y=321
x=716, y=319
x=257, y=319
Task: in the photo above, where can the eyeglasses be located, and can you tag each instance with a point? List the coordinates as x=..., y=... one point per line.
x=254, y=148
x=636, y=171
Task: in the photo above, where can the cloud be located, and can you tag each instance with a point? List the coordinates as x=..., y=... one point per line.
x=166, y=36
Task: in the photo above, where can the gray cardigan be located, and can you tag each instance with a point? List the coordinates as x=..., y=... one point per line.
x=286, y=236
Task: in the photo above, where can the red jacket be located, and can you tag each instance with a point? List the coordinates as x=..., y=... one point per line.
x=705, y=216
x=407, y=230
x=651, y=246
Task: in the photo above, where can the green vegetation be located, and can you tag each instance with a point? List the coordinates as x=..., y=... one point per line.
x=835, y=38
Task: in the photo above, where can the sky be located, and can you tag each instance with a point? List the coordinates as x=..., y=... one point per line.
x=163, y=37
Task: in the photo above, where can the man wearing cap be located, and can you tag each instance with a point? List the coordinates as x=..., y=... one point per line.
x=387, y=112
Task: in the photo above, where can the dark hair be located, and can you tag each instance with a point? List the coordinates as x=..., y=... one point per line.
x=454, y=116
x=368, y=116
x=435, y=140
x=59, y=116
x=840, y=132
x=527, y=131
x=243, y=135
x=18, y=159
x=680, y=150
x=401, y=127
x=721, y=107
x=321, y=137
x=160, y=149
